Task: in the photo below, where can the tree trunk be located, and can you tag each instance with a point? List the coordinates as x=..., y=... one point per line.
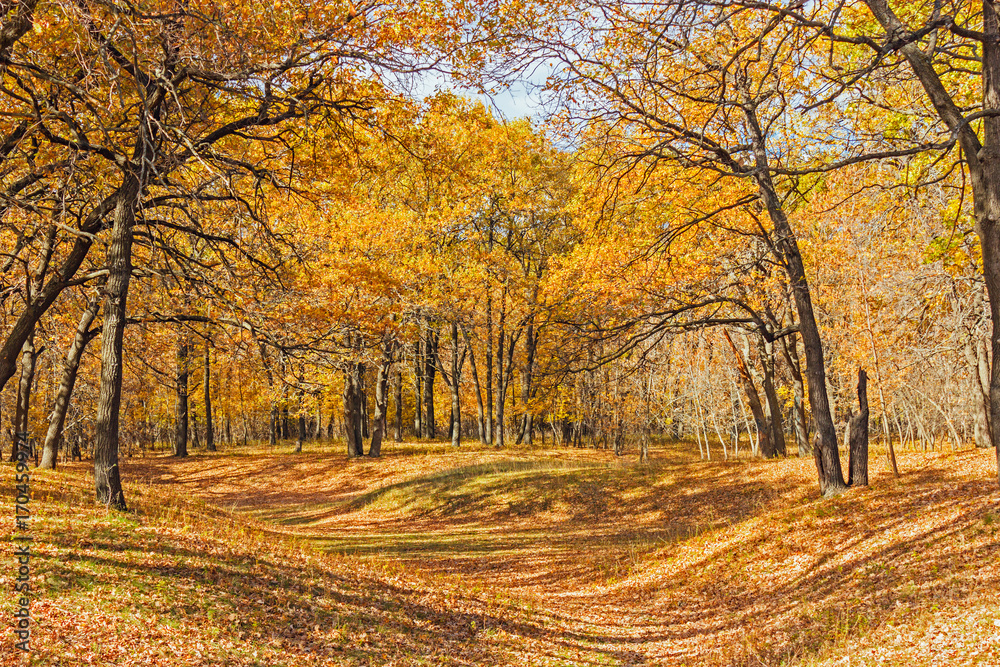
x=181, y=432
x=786, y=248
x=300, y=431
x=455, y=386
x=22, y=408
x=489, y=370
x=209, y=427
x=381, y=401
x=272, y=434
x=977, y=355
x=476, y=386
x=365, y=414
x=430, y=369
x=801, y=425
x=300, y=436
x=107, y=477
x=418, y=405
x=500, y=386
x=194, y=428
x=71, y=366
x=524, y=433
x=353, y=429
x=398, y=435
x=857, y=474
x=775, y=422
x=982, y=160
x=753, y=398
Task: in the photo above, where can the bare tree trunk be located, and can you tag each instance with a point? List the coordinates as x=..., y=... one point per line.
x=194, y=429
x=454, y=384
x=500, y=385
x=353, y=429
x=381, y=399
x=300, y=434
x=789, y=346
x=775, y=422
x=489, y=370
x=524, y=433
x=398, y=435
x=181, y=432
x=478, y=389
x=284, y=425
x=107, y=477
x=787, y=250
x=753, y=398
x=23, y=405
x=71, y=366
x=430, y=369
x=418, y=395
x=363, y=398
x=857, y=474
x=272, y=434
x=977, y=355
x=209, y=428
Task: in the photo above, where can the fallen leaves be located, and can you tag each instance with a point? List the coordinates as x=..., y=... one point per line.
x=680, y=562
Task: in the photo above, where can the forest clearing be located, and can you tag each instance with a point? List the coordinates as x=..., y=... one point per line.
x=554, y=557
x=485, y=332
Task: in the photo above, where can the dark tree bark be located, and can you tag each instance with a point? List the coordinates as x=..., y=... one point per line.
x=300, y=437
x=209, y=427
x=365, y=414
x=430, y=369
x=352, y=410
x=530, y=345
x=398, y=381
x=786, y=248
x=857, y=474
x=381, y=401
x=181, y=430
x=71, y=366
x=418, y=396
x=272, y=432
x=489, y=370
x=107, y=476
x=23, y=406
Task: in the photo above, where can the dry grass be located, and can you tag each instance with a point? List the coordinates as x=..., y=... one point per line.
x=545, y=557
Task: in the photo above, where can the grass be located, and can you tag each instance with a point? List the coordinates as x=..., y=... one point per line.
x=550, y=557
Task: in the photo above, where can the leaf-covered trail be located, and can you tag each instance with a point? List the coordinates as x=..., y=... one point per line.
x=677, y=562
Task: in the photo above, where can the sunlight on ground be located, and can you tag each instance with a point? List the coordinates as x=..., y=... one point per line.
x=564, y=556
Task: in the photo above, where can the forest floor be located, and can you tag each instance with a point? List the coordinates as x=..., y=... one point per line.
x=483, y=557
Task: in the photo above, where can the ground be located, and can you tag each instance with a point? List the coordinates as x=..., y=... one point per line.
x=475, y=556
